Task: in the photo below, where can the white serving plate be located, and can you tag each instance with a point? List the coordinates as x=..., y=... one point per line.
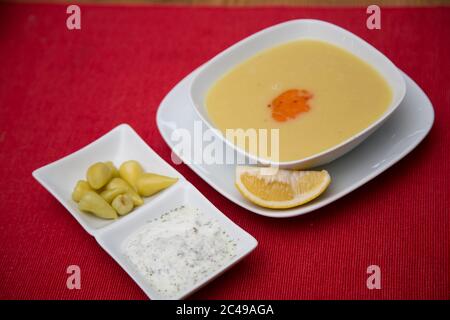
x=404, y=130
x=285, y=32
x=121, y=144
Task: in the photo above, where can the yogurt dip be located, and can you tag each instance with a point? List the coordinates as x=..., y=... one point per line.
x=179, y=249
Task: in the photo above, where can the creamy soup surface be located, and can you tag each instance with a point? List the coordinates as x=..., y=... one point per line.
x=317, y=95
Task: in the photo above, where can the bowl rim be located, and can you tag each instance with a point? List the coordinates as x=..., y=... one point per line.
x=374, y=125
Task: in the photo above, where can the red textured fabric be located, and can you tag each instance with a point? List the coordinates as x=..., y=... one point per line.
x=61, y=89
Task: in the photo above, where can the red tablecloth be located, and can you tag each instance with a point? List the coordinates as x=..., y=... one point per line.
x=61, y=89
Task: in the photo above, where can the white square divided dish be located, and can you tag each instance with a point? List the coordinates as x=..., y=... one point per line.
x=286, y=32
x=114, y=238
x=119, y=145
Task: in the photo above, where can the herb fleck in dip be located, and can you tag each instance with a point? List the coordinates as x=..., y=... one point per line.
x=180, y=248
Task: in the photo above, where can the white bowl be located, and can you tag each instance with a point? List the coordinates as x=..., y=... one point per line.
x=215, y=68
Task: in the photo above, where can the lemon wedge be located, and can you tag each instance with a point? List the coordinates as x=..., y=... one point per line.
x=280, y=189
